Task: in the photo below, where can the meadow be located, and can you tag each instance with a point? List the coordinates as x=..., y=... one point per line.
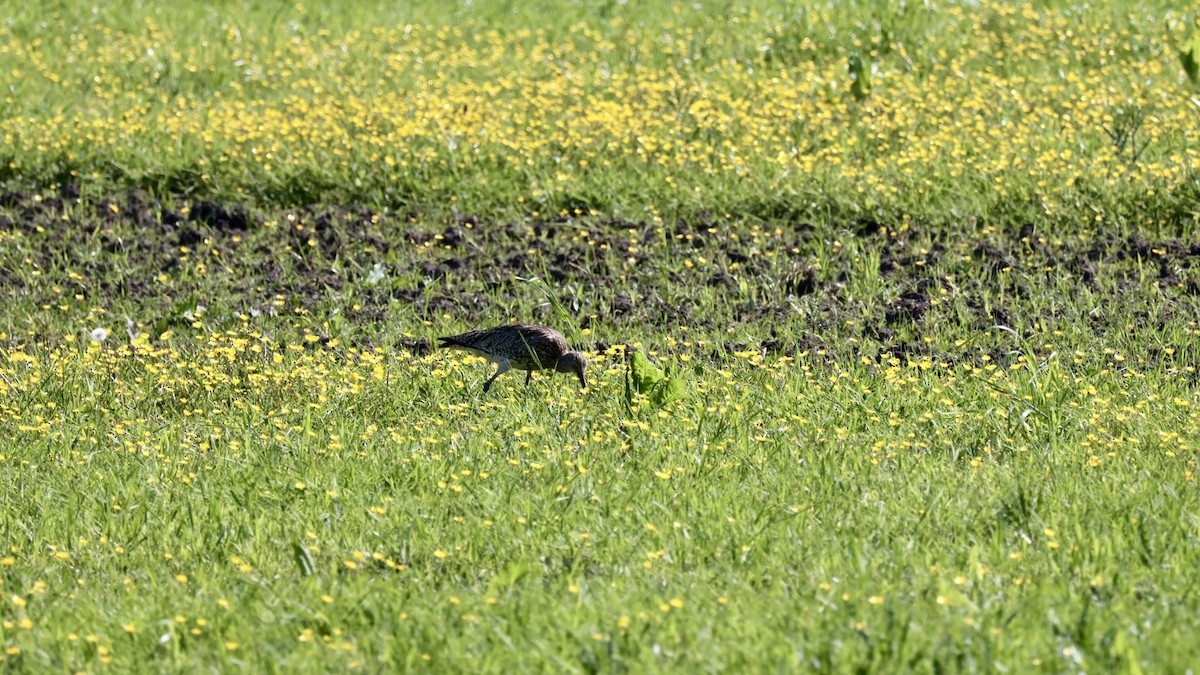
x=927, y=274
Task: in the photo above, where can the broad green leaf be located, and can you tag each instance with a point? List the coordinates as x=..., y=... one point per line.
x=303, y=558
x=1189, y=56
x=506, y=578
x=860, y=72
x=666, y=391
x=645, y=374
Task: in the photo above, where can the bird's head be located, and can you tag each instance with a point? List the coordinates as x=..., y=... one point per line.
x=573, y=362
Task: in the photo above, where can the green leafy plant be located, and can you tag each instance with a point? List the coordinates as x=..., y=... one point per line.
x=643, y=377
x=860, y=72
x=183, y=307
x=1189, y=56
x=1127, y=121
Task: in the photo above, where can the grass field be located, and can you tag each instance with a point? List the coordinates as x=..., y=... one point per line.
x=929, y=275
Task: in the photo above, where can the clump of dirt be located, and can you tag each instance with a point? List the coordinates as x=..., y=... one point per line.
x=911, y=306
x=419, y=347
x=801, y=283
x=225, y=218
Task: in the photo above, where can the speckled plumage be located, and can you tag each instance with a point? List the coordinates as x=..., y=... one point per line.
x=523, y=346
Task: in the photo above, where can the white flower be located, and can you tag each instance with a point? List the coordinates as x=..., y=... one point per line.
x=100, y=334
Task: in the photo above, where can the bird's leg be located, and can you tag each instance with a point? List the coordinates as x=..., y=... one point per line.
x=501, y=368
x=528, y=377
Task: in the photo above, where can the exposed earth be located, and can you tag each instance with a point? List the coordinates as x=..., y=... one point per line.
x=781, y=286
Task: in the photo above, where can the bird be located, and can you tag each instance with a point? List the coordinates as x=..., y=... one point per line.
x=524, y=346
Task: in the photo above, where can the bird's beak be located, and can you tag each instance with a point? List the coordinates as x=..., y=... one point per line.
x=583, y=380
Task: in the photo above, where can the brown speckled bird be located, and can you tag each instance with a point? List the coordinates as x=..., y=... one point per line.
x=522, y=346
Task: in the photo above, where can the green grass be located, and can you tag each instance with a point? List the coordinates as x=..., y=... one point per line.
x=900, y=517
x=507, y=111
x=940, y=376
